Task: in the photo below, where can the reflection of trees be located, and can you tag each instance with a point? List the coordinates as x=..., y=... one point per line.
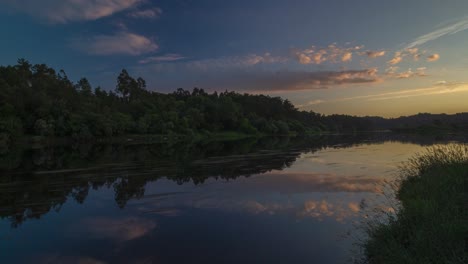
x=42, y=180
x=35, y=182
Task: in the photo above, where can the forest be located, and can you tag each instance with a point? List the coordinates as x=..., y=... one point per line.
x=36, y=100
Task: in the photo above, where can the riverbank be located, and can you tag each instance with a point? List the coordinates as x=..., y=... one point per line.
x=432, y=223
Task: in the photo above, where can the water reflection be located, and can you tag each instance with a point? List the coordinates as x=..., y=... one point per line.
x=145, y=203
x=123, y=229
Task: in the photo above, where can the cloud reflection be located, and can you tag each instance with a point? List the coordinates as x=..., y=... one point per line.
x=323, y=208
x=119, y=229
x=298, y=182
x=298, y=191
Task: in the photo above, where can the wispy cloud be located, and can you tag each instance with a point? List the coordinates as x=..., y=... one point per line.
x=120, y=43
x=151, y=13
x=440, y=88
x=313, y=102
x=63, y=11
x=436, y=90
x=460, y=25
x=234, y=62
x=163, y=58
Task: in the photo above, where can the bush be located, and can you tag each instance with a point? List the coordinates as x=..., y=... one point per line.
x=431, y=225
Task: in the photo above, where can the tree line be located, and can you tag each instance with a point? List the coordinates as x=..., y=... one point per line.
x=38, y=100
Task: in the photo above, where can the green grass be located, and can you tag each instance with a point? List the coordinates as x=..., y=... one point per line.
x=431, y=225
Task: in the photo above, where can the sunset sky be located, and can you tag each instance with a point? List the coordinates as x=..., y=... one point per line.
x=365, y=57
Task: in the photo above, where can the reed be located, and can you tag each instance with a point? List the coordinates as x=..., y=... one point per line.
x=431, y=224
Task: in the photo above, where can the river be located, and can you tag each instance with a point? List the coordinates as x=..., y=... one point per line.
x=273, y=200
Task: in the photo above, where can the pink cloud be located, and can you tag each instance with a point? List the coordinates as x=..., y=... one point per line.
x=396, y=59
x=347, y=57
x=332, y=53
x=433, y=57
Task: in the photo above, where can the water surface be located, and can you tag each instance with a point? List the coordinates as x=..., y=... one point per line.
x=269, y=201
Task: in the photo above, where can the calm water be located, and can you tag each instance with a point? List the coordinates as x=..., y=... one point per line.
x=271, y=201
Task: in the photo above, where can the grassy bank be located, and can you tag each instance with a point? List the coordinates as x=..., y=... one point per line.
x=432, y=223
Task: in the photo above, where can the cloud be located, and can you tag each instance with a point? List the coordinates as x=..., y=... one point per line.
x=304, y=59
x=433, y=57
x=332, y=53
x=449, y=85
x=420, y=72
x=412, y=51
x=148, y=13
x=251, y=73
x=313, y=102
x=120, y=43
x=459, y=26
x=64, y=11
x=441, y=87
x=348, y=56
x=397, y=58
x=295, y=81
x=234, y=62
x=163, y=58
x=373, y=53
x=310, y=56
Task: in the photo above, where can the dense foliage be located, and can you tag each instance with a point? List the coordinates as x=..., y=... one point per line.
x=430, y=225
x=37, y=100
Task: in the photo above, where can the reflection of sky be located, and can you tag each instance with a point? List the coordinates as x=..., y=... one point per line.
x=301, y=210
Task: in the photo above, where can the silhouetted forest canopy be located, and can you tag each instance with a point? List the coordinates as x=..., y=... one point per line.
x=37, y=100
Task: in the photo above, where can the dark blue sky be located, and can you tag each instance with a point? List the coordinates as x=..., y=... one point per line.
x=327, y=55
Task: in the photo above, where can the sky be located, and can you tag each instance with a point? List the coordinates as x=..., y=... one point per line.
x=361, y=57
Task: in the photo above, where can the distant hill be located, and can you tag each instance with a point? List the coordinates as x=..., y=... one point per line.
x=422, y=121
